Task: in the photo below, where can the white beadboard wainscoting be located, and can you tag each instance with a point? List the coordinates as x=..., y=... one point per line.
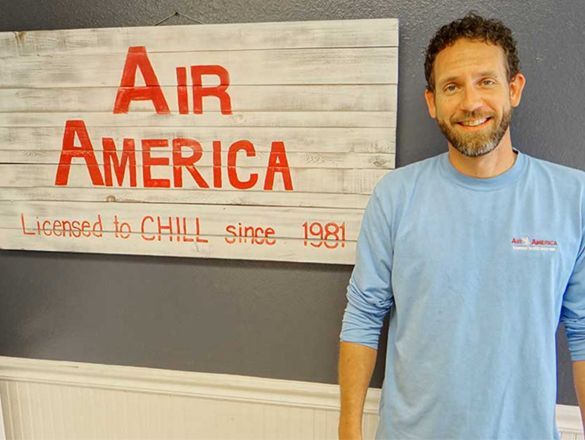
x=44, y=399
x=2, y=433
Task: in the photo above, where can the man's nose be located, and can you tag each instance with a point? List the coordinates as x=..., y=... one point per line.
x=471, y=99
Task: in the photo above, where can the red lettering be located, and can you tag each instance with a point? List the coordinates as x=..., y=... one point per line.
x=47, y=233
x=278, y=163
x=218, y=91
x=137, y=59
x=216, y=164
x=270, y=232
x=257, y=235
x=24, y=227
x=85, y=225
x=121, y=163
x=198, y=239
x=143, y=228
x=69, y=150
x=57, y=224
x=111, y=159
x=98, y=227
x=249, y=231
x=186, y=236
x=148, y=161
x=248, y=147
x=162, y=228
x=182, y=97
x=179, y=161
x=232, y=230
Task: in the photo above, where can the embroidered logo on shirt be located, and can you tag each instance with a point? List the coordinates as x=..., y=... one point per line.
x=533, y=244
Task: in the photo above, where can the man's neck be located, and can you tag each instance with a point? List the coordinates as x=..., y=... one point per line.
x=496, y=162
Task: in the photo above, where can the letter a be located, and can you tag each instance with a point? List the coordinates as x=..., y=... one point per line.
x=137, y=58
x=278, y=163
x=84, y=151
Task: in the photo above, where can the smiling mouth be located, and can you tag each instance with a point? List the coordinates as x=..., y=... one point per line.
x=473, y=123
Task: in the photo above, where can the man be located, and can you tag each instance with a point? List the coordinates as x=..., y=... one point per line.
x=476, y=253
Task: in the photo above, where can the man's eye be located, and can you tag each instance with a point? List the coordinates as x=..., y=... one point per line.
x=450, y=88
x=488, y=82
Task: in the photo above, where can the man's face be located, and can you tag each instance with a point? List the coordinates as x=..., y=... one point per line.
x=473, y=99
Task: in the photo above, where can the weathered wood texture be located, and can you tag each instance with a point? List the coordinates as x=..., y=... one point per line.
x=326, y=91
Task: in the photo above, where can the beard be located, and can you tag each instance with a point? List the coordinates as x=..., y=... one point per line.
x=478, y=143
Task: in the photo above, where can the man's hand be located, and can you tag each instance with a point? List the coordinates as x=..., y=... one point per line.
x=356, y=364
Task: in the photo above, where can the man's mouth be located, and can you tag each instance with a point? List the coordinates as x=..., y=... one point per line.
x=474, y=122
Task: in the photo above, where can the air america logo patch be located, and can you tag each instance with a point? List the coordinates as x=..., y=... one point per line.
x=533, y=244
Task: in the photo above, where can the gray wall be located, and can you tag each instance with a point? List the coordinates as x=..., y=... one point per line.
x=276, y=320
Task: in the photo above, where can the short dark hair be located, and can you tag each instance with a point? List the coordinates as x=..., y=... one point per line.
x=472, y=27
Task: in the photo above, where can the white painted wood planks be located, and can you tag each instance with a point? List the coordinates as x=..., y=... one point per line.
x=256, y=141
x=221, y=37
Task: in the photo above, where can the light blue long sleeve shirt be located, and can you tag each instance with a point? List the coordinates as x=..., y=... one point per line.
x=476, y=274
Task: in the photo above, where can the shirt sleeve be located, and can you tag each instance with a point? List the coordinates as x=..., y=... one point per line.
x=369, y=292
x=573, y=308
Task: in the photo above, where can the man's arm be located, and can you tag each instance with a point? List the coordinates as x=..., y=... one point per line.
x=579, y=381
x=369, y=298
x=356, y=365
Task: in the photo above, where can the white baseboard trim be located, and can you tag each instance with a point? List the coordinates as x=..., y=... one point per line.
x=184, y=383
x=569, y=419
x=217, y=387
x=2, y=431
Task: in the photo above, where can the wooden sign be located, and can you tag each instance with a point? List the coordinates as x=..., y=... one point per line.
x=249, y=141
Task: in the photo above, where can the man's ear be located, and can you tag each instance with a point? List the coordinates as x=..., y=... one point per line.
x=516, y=86
x=430, y=99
